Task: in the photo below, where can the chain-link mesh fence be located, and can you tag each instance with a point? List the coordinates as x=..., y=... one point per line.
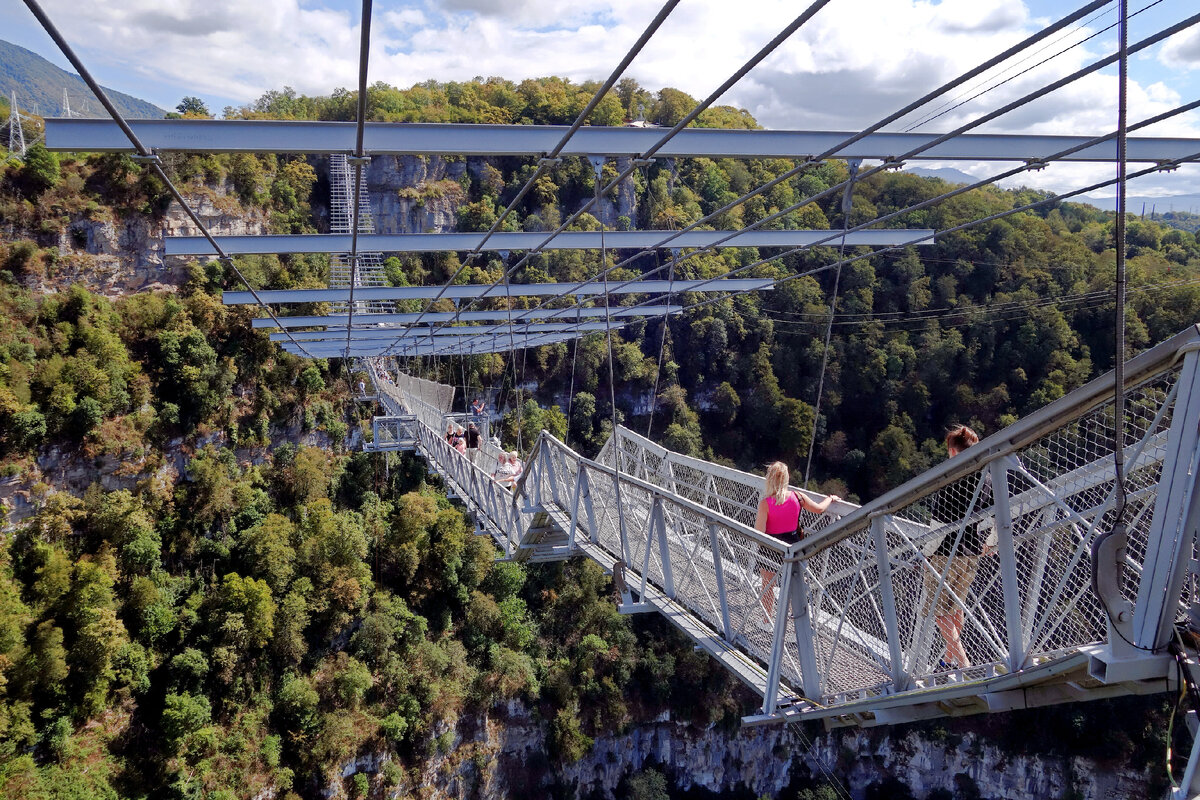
x=911, y=595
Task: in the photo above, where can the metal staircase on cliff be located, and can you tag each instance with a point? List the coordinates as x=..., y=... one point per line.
x=853, y=643
x=342, y=273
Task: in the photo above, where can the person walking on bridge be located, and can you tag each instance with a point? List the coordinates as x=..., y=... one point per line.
x=956, y=556
x=472, y=441
x=779, y=516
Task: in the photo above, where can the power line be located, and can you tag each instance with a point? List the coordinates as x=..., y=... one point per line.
x=699, y=108
x=1099, y=298
x=917, y=150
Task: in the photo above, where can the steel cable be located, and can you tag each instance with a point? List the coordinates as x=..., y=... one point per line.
x=149, y=157
x=862, y=134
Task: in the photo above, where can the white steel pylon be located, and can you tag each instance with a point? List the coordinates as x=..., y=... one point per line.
x=66, y=103
x=16, y=134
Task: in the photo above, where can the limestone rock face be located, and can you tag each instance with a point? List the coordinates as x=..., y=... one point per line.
x=415, y=194
x=125, y=254
x=504, y=756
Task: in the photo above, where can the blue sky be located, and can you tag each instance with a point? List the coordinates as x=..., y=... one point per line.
x=856, y=60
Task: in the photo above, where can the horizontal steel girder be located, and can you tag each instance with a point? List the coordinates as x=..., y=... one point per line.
x=515, y=316
x=488, y=290
x=274, y=136
x=403, y=334
x=496, y=344
x=572, y=240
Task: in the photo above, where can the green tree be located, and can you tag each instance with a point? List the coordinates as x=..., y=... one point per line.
x=193, y=106
x=183, y=715
x=41, y=170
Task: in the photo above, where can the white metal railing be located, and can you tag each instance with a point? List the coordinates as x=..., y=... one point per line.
x=859, y=596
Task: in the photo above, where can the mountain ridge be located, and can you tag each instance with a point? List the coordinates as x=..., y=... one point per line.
x=39, y=88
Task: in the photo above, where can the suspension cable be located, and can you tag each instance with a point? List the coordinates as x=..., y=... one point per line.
x=897, y=159
x=1166, y=165
x=1028, y=69
x=148, y=156
x=982, y=82
x=614, y=437
x=551, y=157
x=847, y=207
x=687, y=119
x=1119, y=323
x=364, y=51
x=662, y=347
x=571, y=390
x=923, y=204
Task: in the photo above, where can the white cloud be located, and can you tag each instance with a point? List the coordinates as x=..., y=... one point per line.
x=1182, y=51
x=222, y=47
x=852, y=64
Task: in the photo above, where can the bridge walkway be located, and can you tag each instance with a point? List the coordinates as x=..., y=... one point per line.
x=853, y=640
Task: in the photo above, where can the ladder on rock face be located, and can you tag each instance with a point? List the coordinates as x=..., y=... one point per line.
x=341, y=214
x=852, y=640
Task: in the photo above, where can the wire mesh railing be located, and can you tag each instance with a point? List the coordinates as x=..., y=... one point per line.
x=991, y=549
x=994, y=550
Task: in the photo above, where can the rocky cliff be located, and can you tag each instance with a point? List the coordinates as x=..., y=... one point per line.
x=118, y=255
x=504, y=757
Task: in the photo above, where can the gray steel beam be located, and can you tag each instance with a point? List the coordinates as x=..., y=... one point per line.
x=489, y=290
x=568, y=240
x=516, y=315
x=274, y=136
x=498, y=344
x=403, y=334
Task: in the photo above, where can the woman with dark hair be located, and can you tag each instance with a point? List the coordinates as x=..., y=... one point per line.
x=957, y=554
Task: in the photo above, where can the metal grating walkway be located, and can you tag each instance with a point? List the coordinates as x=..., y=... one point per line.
x=854, y=642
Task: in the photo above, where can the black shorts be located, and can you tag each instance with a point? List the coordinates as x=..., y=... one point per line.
x=791, y=537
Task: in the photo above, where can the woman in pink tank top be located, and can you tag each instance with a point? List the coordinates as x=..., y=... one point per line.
x=779, y=516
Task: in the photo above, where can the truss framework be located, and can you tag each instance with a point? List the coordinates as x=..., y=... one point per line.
x=497, y=291
x=515, y=316
x=852, y=630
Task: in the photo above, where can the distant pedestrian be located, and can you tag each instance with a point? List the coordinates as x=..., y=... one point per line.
x=505, y=473
x=472, y=442
x=779, y=516
x=362, y=387
x=477, y=407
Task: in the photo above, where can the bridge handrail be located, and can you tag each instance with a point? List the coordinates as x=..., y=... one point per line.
x=547, y=439
x=1005, y=442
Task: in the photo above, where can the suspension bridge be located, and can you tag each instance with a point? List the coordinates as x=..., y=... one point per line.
x=1091, y=501
x=854, y=643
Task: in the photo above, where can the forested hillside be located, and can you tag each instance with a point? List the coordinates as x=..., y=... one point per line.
x=260, y=603
x=39, y=86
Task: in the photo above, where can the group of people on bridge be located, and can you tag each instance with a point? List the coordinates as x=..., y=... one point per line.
x=953, y=559
x=467, y=442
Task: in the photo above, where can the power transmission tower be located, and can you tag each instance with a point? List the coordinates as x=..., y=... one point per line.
x=16, y=134
x=66, y=103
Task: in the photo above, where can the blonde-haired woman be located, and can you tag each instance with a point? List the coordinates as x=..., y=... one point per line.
x=779, y=516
